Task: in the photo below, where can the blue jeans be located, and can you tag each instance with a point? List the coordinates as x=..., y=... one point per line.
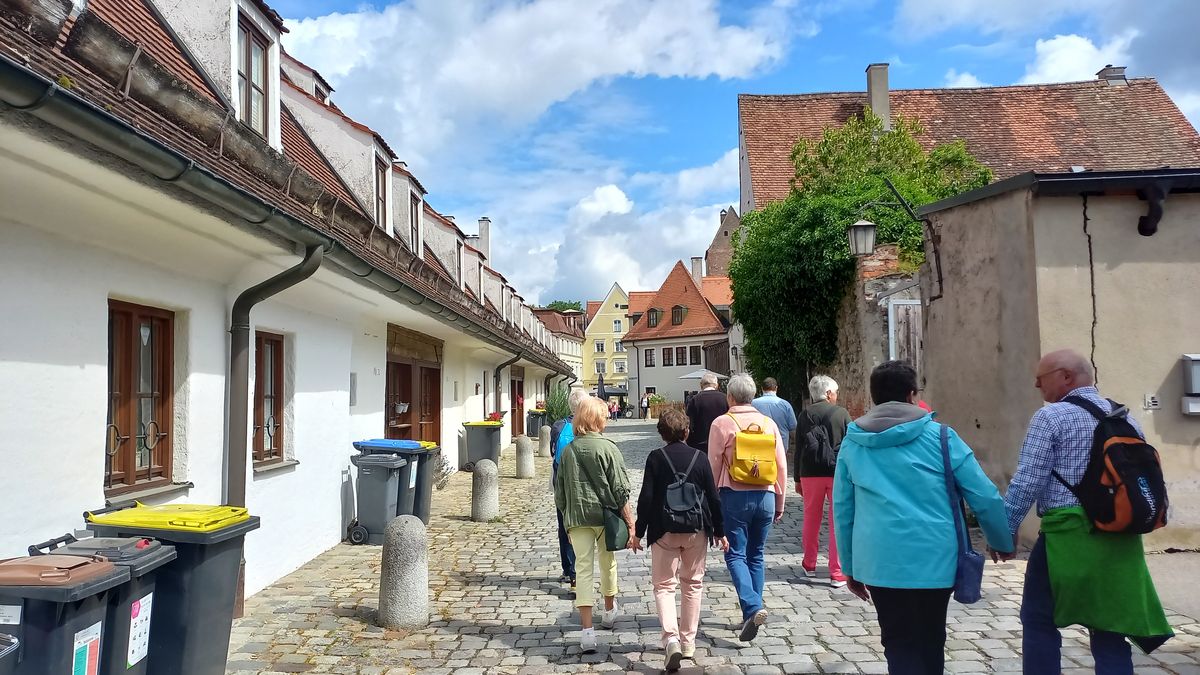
x=565, y=553
x=748, y=515
x=1041, y=642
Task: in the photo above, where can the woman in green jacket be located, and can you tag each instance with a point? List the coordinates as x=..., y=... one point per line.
x=591, y=476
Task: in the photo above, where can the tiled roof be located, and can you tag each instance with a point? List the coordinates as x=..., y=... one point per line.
x=717, y=290
x=271, y=15
x=90, y=57
x=399, y=166
x=678, y=289
x=639, y=302
x=136, y=21
x=593, y=306
x=299, y=148
x=429, y=210
x=1045, y=127
x=430, y=257
x=557, y=323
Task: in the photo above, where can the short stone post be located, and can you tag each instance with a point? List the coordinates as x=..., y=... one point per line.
x=524, y=457
x=544, y=442
x=485, y=491
x=404, y=577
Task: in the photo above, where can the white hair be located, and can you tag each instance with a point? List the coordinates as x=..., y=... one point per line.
x=578, y=395
x=820, y=386
x=742, y=388
x=708, y=380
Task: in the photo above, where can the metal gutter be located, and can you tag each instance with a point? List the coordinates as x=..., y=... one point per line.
x=496, y=377
x=1064, y=184
x=239, y=366
x=23, y=90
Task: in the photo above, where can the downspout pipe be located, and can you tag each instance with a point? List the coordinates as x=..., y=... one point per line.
x=239, y=366
x=25, y=91
x=496, y=376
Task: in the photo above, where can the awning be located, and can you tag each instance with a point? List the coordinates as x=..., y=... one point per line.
x=697, y=374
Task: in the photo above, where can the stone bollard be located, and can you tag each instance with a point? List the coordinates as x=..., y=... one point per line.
x=485, y=491
x=524, y=457
x=544, y=442
x=404, y=577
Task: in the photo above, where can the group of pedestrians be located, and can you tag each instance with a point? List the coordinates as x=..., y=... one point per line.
x=893, y=480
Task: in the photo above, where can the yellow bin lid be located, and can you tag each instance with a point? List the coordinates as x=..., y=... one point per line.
x=182, y=517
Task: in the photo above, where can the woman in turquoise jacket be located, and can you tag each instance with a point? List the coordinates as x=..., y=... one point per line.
x=895, y=530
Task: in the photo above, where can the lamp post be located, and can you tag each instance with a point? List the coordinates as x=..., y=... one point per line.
x=862, y=238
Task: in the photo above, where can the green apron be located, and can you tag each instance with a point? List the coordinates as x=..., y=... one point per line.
x=1100, y=580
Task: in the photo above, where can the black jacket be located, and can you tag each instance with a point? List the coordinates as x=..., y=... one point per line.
x=650, y=520
x=835, y=419
x=702, y=409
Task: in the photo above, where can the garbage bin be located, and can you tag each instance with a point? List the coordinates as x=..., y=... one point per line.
x=534, y=420
x=194, y=596
x=483, y=442
x=55, y=606
x=416, y=480
x=378, y=495
x=131, y=606
x=8, y=654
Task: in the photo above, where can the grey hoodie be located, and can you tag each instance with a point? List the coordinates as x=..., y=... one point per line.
x=887, y=415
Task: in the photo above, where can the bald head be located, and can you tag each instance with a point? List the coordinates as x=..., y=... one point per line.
x=1061, y=372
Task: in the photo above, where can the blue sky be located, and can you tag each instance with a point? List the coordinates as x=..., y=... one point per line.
x=600, y=135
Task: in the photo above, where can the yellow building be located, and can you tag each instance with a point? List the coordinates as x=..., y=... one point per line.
x=603, y=353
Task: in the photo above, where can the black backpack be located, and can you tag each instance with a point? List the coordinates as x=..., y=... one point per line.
x=1122, y=489
x=817, y=445
x=683, y=507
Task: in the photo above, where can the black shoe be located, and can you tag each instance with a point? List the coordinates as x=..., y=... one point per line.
x=750, y=628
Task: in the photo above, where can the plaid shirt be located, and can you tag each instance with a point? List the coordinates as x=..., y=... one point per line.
x=1059, y=439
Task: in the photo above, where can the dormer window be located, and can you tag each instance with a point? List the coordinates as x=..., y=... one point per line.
x=321, y=92
x=652, y=318
x=677, y=314
x=414, y=222
x=460, y=265
x=253, y=56
x=381, y=181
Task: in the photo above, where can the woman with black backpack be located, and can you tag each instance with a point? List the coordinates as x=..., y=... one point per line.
x=679, y=514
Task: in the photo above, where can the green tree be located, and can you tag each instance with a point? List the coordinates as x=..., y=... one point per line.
x=566, y=305
x=792, y=265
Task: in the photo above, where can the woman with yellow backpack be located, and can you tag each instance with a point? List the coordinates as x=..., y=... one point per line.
x=747, y=454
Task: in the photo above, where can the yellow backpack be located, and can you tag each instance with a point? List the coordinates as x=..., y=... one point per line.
x=753, y=461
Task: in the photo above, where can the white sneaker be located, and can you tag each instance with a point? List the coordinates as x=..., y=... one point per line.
x=610, y=616
x=837, y=583
x=587, y=642
x=674, y=656
x=688, y=650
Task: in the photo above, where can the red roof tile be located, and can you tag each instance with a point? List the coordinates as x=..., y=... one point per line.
x=558, y=323
x=300, y=149
x=679, y=289
x=717, y=290
x=437, y=264
x=639, y=301
x=137, y=22
x=1044, y=127
x=593, y=306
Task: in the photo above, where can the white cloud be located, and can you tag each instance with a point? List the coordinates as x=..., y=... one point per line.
x=963, y=79
x=1066, y=58
x=431, y=74
x=690, y=184
x=604, y=200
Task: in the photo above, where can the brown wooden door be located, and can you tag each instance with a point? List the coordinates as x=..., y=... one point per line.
x=399, y=422
x=429, y=420
x=516, y=410
x=906, y=335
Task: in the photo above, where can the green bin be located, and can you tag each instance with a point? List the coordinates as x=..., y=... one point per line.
x=195, y=595
x=55, y=606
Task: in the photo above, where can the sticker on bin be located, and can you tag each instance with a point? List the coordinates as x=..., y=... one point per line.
x=412, y=479
x=10, y=615
x=87, y=650
x=139, y=630
x=187, y=517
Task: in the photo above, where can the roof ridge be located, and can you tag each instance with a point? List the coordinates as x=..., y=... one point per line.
x=1073, y=84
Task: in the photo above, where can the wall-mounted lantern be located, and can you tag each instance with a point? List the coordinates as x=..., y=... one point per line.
x=862, y=238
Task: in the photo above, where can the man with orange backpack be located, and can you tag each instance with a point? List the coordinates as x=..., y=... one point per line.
x=747, y=454
x=1099, y=487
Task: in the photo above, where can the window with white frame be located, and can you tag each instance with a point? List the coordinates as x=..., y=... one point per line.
x=381, y=184
x=599, y=346
x=461, y=262
x=601, y=367
x=617, y=326
x=619, y=366
x=618, y=346
x=254, y=51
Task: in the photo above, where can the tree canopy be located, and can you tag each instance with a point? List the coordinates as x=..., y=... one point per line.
x=792, y=265
x=565, y=305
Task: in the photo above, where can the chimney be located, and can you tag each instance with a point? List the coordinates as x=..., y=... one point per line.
x=697, y=268
x=485, y=236
x=1113, y=75
x=877, y=93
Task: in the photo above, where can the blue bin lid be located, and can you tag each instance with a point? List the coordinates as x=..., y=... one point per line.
x=387, y=444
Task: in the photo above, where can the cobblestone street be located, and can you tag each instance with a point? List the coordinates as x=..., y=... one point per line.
x=497, y=606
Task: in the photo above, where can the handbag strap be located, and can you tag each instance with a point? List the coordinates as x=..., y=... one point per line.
x=588, y=474
x=960, y=529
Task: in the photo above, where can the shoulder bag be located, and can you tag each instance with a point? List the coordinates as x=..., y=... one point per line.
x=968, y=575
x=616, y=530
